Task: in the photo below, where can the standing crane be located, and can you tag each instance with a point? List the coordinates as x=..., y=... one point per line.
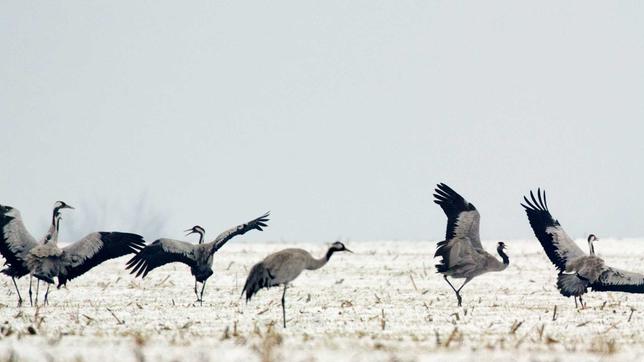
x=462, y=254
x=198, y=257
x=283, y=267
x=16, y=242
x=578, y=271
x=48, y=261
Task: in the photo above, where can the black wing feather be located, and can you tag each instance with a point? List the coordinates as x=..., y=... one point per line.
x=112, y=245
x=259, y=277
x=540, y=220
x=155, y=255
x=452, y=204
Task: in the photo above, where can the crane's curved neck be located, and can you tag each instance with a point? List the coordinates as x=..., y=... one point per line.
x=504, y=257
x=201, y=235
x=318, y=263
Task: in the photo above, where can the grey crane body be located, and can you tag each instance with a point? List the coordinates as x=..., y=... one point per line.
x=282, y=267
x=462, y=255
x=587, y=268
x=578, y=271
x=288, y=264
x=199, y=257
x=44, y=261
x=16, y=242
x=203, y=256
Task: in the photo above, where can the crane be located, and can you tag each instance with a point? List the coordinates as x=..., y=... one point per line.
x=462, y=254
x=283, y=267
x=198, y=257
x=578, y=271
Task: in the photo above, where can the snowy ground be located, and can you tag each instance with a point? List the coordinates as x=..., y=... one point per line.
x=383, y=303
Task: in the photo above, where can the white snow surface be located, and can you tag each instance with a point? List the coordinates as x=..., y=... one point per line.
x=383, y=303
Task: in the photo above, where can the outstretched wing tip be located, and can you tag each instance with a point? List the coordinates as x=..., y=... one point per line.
x=536, y=203
x=256, y=224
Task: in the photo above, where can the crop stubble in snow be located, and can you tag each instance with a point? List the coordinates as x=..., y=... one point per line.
x=383, y=303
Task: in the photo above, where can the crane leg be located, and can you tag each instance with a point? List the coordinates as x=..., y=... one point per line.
x=203, y=286
x=46, y=302
x=31, y=300
x=37, y=287
x=284, y=306
x=581, y=301
x=17, y=291
x=196, y=294
x=458, y=295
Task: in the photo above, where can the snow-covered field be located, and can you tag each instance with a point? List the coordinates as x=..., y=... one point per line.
x=383, y=303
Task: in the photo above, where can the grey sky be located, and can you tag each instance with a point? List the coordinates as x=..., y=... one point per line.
x=337, y=116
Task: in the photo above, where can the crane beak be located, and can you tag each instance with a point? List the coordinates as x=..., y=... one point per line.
x=68, y=207
x=345, y=249
x=189, y=231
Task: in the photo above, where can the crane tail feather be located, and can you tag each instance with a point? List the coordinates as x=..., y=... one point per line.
x=443, y=251
x=571, y=285
x=258, y=278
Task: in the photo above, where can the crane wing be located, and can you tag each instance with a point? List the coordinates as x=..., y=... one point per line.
x=161, y=252
x=259, y=277
x=617, y=280
x=456, y=253
x=256, y=224
x=462, y=217
x=96, y=248
x=15, y=240
x=559, y=247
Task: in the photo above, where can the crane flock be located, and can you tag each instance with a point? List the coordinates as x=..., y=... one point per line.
x=461, y=255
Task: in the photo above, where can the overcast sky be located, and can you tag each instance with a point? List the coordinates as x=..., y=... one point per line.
x=338, y=116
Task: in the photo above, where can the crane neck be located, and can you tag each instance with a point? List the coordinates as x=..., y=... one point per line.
x=52, y=233
x=314, y=264
x=201, y=236
x=591, y=247
x=504, y=257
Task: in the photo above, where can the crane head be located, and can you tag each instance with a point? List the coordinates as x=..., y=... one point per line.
x=62, y=205
x=592, y=237
x=501, y=246
x=195, y=230
x=338, y=246
x=59, y=205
